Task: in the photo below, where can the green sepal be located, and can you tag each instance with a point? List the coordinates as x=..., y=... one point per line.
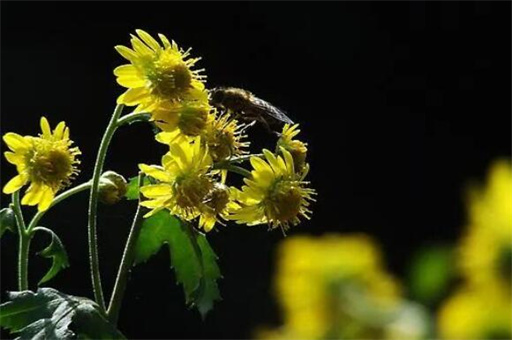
x=192, y=258
x=50, y=314
x=7, y=221
x=56, y=252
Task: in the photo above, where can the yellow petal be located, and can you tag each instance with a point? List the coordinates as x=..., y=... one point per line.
x=14, y=184
x=139, y=47
x=125, y=70
x=16, y=142
x=33, y=194
x=58, y=133
x=148, y=39
x=14, y=158
x=156, y=173
x=164, y=40
x=131, y=81
x=133, y=96
x=45, y=128
x=46, y=199
x=126, y=52
x=156, y=190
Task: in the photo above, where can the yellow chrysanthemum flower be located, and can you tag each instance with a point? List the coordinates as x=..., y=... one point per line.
x=327, y=292
x=476, y=313
x=188, y=118
x=274, y=194
x=48, y=162
x=218, y=203
x=297, y=148
x=157, y=72
x=184, y=181
x=224, y=137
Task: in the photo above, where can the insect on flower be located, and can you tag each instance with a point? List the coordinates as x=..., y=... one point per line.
x=246, y=106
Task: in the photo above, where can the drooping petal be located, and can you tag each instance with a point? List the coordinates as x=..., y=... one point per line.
x=46, y=199
x=156, y=190
x=33, y=194
x=14, y=184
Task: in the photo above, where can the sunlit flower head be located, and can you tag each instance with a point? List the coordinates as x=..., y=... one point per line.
x=47, y=162
x=224, y=137
x=274, y=194
x=297, y=149
x=158, y=71
x=184, y=181
x=188, y=118
x=216, y=206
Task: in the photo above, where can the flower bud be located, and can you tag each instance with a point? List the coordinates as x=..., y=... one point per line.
x=112, y=187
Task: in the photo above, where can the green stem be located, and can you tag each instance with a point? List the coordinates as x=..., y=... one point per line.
x=93, y=206
x=233, y=168
x=133, y=118
x=24, y=243
x=126, y=263
x=68, y=193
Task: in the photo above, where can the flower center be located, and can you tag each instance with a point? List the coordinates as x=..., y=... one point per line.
x=284, y=202
x=193, y=120
x=50, y=166
x=170, y=77
x=191, y=191
x=218, y=198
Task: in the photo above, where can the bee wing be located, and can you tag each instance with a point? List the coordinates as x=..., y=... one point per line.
x=269, y=109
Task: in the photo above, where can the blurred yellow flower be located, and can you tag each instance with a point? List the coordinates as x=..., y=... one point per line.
x=482, y=308
x=297, y=148
x=476, y=313
x=48, y=162
x=486, y=249
x=335, y=287
x=184, y=180
x=157, y=72
x=274, y=193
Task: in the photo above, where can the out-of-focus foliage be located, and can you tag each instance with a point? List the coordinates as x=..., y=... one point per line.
x=430, y=274
x=336, y=287
x=481, y=307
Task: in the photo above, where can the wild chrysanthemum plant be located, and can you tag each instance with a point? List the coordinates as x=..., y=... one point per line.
x=186, y=193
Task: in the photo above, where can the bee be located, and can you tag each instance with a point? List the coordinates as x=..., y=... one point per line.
x=246, y=106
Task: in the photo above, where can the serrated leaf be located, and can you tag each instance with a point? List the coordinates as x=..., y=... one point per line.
x=132, y=188
x=192, y=258
x=57, y=253
x=7, y=221
x=208, y=292
x=50, y=314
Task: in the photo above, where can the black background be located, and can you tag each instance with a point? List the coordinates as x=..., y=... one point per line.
x=401, y=103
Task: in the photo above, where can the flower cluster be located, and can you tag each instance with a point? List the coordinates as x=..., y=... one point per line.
x=204, y=143
x=48, y=162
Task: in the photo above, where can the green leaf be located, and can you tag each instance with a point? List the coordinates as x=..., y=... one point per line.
x=208, y=291
x=7, y=221
x=430, y=274
x=132, y=188
x=57, y=253
x=50, y=314
x=192, y=258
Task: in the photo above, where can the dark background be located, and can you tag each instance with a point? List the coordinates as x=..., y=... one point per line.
x=401, y=103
